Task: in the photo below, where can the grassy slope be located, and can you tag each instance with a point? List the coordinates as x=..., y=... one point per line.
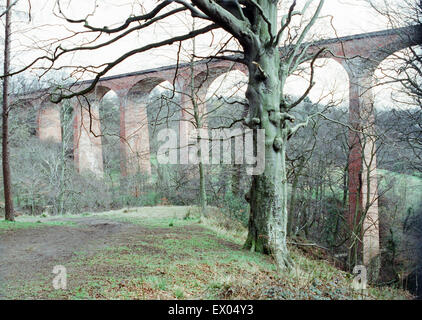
x=405, y=187
x=190, y=258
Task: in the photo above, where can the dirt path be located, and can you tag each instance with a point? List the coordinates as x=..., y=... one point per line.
x=27, y=251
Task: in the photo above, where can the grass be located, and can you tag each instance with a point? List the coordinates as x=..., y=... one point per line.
x=405, y=187
x=195, y=258
x=13, y=225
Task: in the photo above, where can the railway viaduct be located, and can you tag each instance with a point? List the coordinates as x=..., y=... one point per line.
x=359, y=54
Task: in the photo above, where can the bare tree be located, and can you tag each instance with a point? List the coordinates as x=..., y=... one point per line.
x=8, y=200
x=255, y=26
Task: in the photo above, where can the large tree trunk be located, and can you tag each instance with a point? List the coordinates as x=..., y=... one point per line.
x=268, y=203
x=8, y=201
x=268, y=195
x=254, y=25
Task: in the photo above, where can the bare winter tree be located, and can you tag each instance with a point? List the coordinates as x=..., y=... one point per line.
x=257, y=29
x=8, y=201
x=7, y=183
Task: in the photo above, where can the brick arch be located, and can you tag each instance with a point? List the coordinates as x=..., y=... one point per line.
x=237, y=68
x=337, y=61
x=374, y=46
x=101, y=90
x=209, y=73
x=203, y=79
x=145, y=85
x=395, y=43
x=204, y=73
x=389, y=68
x=148, y=97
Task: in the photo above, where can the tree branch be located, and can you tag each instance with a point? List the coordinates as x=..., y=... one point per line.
x=285, y=23
x=225, y=19
x=311, y=82
x=59, y=97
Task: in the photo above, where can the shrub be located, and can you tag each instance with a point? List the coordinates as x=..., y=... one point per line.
x=236, y=207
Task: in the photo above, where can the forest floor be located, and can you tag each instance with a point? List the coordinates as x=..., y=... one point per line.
x=156, y=253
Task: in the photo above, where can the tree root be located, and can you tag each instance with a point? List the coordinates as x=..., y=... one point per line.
x=283, y=261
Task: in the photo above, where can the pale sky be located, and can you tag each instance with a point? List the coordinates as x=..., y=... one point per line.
x=349, y=17
x=31, y=38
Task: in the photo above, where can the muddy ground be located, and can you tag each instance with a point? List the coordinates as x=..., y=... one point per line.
x=31, y=253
